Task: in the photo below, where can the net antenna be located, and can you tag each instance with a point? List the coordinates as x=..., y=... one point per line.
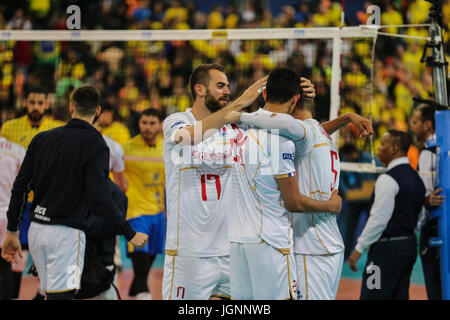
x=336, y=86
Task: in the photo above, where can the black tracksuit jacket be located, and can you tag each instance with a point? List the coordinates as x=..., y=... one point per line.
x=67, y=168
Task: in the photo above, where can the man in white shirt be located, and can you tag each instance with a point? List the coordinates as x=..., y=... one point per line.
x=11, y=157
x=398, y=197
x=262, y=260
x=199, y=186
x=422, y=125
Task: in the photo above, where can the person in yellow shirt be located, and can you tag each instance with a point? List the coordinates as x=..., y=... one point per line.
x=391, y=16
x=175, y=11
x=215, y=18
x=144, y=170
x=21, y=131
x=110, y=128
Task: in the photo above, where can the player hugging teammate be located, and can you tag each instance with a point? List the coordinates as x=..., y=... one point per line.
x=250, y=213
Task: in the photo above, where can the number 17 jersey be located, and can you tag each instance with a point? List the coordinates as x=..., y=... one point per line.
x=199, y=189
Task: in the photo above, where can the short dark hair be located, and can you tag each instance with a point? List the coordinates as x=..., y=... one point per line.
x=400, y=139
x=36, y=89
x=152, y=112
x=201, y=75
x=282, y=85
x=427, y=113
x=86, y=99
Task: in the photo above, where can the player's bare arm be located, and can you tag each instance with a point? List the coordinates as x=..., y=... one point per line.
x=294, y=201
x=362, y=124
x=121, y=180
x=196, y=134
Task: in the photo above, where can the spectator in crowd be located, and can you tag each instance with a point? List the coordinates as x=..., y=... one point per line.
x=109, y=127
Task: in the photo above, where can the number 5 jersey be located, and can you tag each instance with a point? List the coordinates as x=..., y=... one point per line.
x=317, y=168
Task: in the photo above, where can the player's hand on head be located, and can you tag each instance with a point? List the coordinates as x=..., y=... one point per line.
x=362, y=124
x=307, y=88
x=139, y=240
x=335, y=202
x=252, y=92
x=233, y=117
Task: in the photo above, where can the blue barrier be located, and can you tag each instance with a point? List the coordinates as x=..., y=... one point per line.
x=443, y=212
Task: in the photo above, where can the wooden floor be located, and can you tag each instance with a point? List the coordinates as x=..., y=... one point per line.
x=349, y=289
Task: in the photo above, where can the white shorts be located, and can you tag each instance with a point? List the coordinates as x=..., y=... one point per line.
x=261, y=272
x=196, y=278
x=318, y=275
x=58, y=254
x=22, y=263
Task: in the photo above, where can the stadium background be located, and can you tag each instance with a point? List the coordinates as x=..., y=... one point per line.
x=137, y=75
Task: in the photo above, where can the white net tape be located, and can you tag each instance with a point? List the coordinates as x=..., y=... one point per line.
x=336, y=34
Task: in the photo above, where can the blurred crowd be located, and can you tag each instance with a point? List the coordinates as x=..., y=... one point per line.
x=135, y=75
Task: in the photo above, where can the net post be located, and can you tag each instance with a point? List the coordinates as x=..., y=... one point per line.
x=443, y=211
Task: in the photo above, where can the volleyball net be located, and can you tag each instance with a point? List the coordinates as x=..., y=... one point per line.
x=137, y=69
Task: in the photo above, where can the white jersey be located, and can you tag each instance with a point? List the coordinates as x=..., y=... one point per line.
x=116, y=160
x=318, y=168
x=265, y=157
x=11, y=157
x=201, y=189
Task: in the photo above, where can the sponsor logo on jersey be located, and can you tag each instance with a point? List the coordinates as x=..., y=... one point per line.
x=177, y=124
x=288, y=156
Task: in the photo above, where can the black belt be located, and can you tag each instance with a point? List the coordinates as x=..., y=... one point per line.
x=396, y=238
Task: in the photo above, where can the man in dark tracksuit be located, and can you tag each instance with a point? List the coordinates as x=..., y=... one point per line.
x=398, y=197
x=67, y=168
x=100, y=248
